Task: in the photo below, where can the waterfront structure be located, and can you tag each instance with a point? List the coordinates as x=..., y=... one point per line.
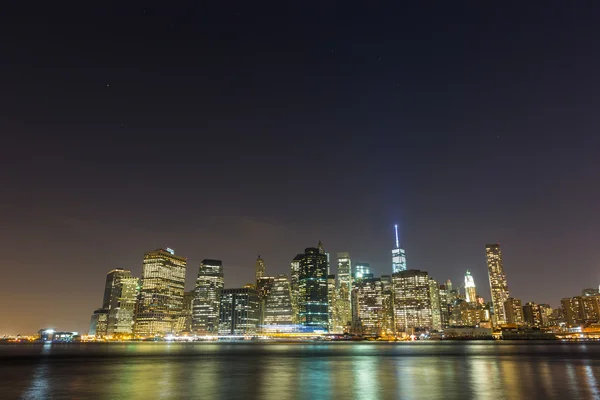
x=532, y=315
x=278, y=304
x=312, y=289
x=470, y=291
x=161, y=293
x=368, y=308
x=295, y=286
x=362, y=270
x=412, y=301
x=260, y=268
x=238, y=312
x=498, y=284
x=514, y=311
x=344, y=292
x=205, y=309
x=436, y=305
x=398, y=255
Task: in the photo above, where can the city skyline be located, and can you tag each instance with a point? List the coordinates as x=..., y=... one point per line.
x=232, y=130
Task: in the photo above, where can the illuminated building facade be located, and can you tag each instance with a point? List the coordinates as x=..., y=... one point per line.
x=498, y=284
x=470, y=291
x=239, y=312
x=278, y=304
x=514, y=311
x=436, y=305
x=99, y=323
x=295, y=286
x=344, y=294
x=532, y=315
x=444, y=305
x=580, y=310
x=368, y=313
x=412, y=301
x=362, y=270
x=161, y=293
x=205, y=309
x=313, y=294
x=398, y=255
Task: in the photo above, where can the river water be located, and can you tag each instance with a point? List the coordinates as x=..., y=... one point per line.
x=279, y=371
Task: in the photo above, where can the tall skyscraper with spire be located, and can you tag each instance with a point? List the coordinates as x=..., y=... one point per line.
x=398, y=255
x=260, y=268
x=470, y=291
x=498, y=284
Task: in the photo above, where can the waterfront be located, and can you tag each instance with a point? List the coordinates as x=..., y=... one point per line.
x=427, y=370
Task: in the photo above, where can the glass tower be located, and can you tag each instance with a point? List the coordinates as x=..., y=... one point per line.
x=470, y=291
x=398, y=255
x=343, y=298
x=312, y=285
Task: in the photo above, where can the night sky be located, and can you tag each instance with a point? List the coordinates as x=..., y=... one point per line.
x=232, y=130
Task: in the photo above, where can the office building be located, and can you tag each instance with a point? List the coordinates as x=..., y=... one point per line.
x=514, y=311
x=161, y=293
x=368, y=315
x=361, y=270
x=205, y=309
x=398, y=255
x=470, y=291
x=295, y=286
x=238, y=310
x=498, y=284
x=312, y=285
x=344, y=293
x=99, y=323
x=278, y=304
x=436, y=305
x=412, y=301
x=580, y=310
x=532, y=315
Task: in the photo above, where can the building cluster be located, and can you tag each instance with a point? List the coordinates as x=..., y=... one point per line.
x=314, y=301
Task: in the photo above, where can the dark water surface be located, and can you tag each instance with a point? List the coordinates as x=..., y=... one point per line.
x=426, y=370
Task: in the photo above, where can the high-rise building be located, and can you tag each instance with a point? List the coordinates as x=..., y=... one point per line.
x=532, y=315
x=278, y=304
x=295, y=286
x=312, y=285
x=344, y=295
x=498, y=284
x=470, y=291
x=260, y=268
x=580, y=310
x=331, y=301
x=362, y=270
x=117, y=315
x=412, y=301
x=436, y=305
x=398, y=255
x=205, y=309
x=368, y=315
x=238, y=312
x=514, y=311
x=263, y=287
x=161, y=293
x=387, y=293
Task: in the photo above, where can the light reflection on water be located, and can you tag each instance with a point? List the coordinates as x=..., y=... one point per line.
x=432, y=370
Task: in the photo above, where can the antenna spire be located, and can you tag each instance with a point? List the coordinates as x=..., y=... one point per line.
x=397, y=241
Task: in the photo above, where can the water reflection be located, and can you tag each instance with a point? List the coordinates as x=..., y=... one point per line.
x=302, y=371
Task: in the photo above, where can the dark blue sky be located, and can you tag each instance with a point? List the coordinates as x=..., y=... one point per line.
x=228, y=131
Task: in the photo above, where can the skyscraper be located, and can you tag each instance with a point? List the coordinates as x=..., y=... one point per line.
x=412, y=301
x=470, y=291
x=498, y=284
x=161, y=294
x=260, y=268
x=362, y=270
x=331, y=301
x=312, y=301
x=344, y=299
x=238, y=312
x=295, y=286
x=532, y=314
x=368, y=313
x=209, y=284
x=398, y=255
x=278, y=304
x=436, y=305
